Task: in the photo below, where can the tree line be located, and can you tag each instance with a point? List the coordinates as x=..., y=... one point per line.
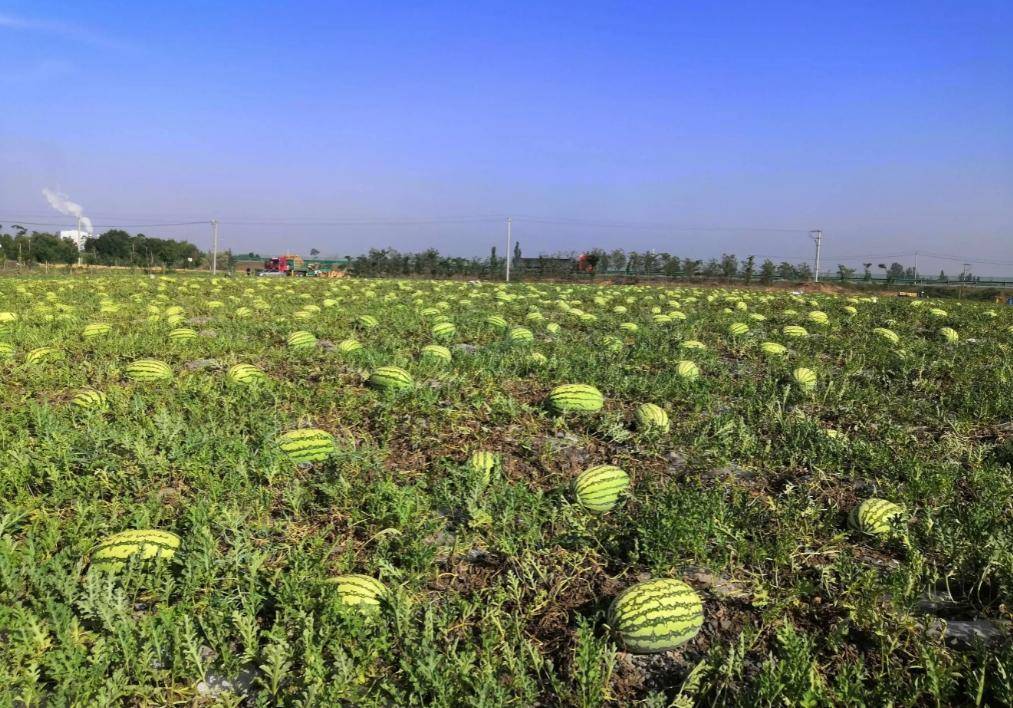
x=113, y=247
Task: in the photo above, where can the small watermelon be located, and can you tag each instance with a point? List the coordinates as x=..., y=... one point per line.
x=794, y=331
x=90, y=399
x=887, y=334
x=307, y=445
x=650, y=416
x=656, y=615
x=687, y=370
x=113, y=551
x=183, y=334
x=95, y=330
x=804, y=378
x=301, y=339
x=520, y=335
x=576, y=398
x=362, y=592
x=875, y=517
x=148, y=370
x=773, y=349
x=42, y=355
x=737, y=329
x=598, y=488
x=444, y=330
x=436, y=352
x=496, y=321
x=391, y=378
x=245, y=374
x=484, y=462
x=347, y=346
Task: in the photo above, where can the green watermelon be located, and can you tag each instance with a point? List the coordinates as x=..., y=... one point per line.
x=436, y=352
x=302, y=339
x=307, y=445
x=598, y=488
x=89, y=399
x=147, y=370
x=575, y=397
x=656, y=615
x=245, y=374
x=362, y=592
x=650, y=416
x=391, y=378
x=113, y=551
x=875, y=517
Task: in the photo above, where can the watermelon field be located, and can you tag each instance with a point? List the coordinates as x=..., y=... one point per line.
x=311, y=492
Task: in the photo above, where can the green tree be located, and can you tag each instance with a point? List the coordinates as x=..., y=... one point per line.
x=749, y=269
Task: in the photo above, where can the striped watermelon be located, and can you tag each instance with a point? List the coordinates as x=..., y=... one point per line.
x=347, y=346
x=850, y=309
x=146, y=370
x=436, y=352
x=804, y=378
x=367, y=321
x=183, y=334
x=773, y=349
x=612, y=344
x=875, y=517
x=113, y=551
x=794, y=331
x=245, y=374
x=307, y=445
x=552, y=328
x=444, y=330
x=391, y=378
x=598, y=488
x=6, y=350
x=949, y=334
x=520, y=335
x=362, y=592
x=496, y=321
x=887, y=334
x=687, y=370
x=483, y=463
x=96, y=329
x=575, y=397
x=301, y=339
x=41, y=355
x=737, y=329
x=818, y=317
x=650, y=416
x=89, y=399
x=537, y=359
x=692, y=344
x=656, y=615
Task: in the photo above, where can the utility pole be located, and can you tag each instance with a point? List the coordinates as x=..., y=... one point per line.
x=214, y=246
x=817, y=236
x=508, y=256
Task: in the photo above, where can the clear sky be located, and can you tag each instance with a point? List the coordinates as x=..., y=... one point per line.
x=887, y=124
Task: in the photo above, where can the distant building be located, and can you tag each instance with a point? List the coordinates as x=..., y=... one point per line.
x=78, y=237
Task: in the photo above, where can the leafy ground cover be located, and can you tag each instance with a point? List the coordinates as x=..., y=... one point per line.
x=499, y=581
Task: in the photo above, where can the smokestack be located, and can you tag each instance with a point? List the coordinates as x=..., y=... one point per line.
x=61, y=202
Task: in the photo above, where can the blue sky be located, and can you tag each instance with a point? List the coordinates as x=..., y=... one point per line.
x=888, y=125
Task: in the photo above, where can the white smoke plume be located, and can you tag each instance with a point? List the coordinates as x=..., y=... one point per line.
x=61, y=202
